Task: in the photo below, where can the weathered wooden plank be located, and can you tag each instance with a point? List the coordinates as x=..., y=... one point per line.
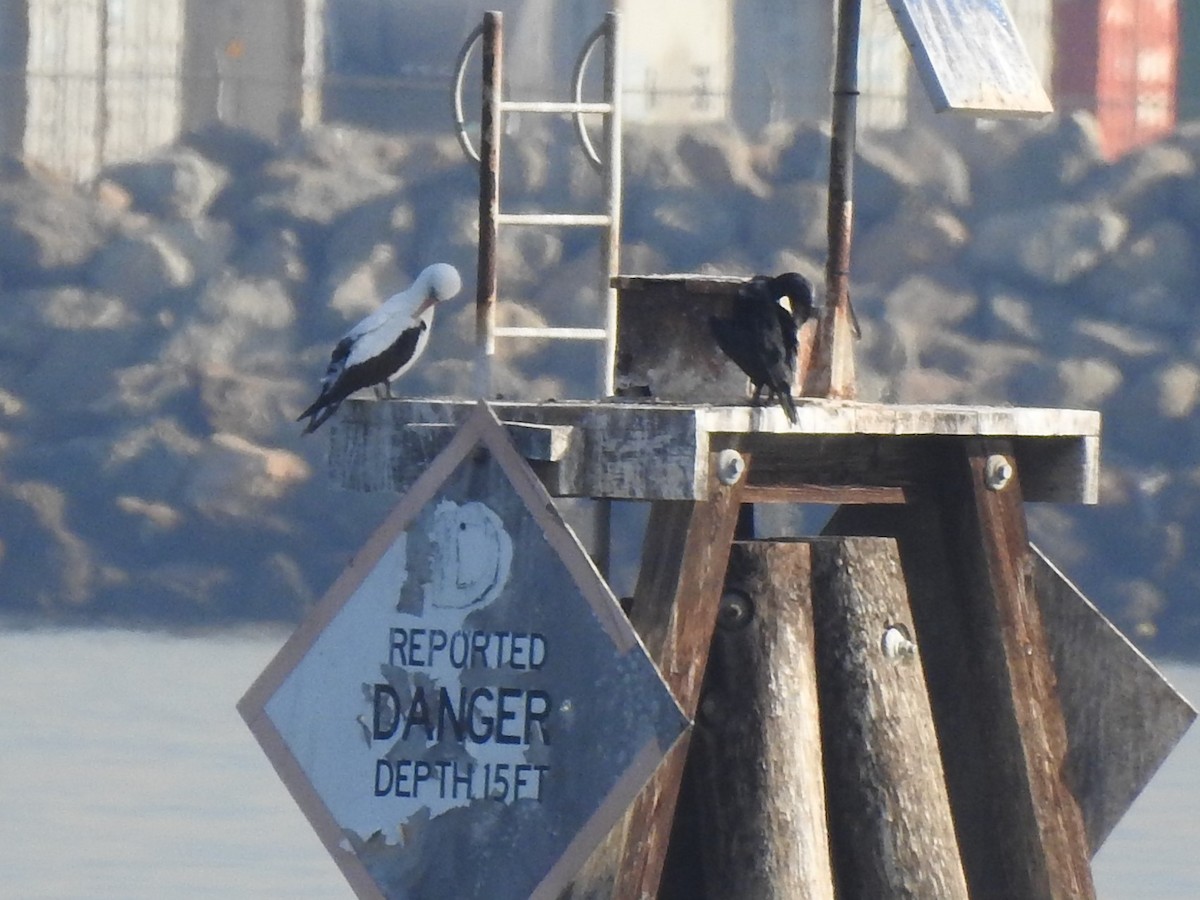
x=541, y=443
x=665, y=347
x=995, y=545
x=992, y=688
x=684, y=559
x=817, y=416
x=846, y=417
x=890, y=823
x=632, y=452
x=755, y=764
x=650, y=451
x=823, y=493
x=681, y=284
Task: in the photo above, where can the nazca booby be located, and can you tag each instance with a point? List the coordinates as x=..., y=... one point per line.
x=385, y=344
x=761, y=334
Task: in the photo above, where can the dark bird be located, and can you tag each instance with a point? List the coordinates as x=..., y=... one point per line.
x=385, y=344
x=761, y=335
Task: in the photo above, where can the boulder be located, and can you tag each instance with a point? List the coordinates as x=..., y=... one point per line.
x=174, y=183
x=1050, y=245
x=45, y=567
x=792, y=218
x=1151, y=282
x=719, y=158
x=141, y=266
x=1087, y=383
x=918, y=237
x=307, y=198
x=1052, y=159
x=1144, y=184
x=238, y=479
x=799, y=155
x=274, y=255
x=48, y=232
x=357, y=286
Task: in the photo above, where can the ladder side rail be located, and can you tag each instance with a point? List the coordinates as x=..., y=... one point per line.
x=489, y=201
x=610, y=253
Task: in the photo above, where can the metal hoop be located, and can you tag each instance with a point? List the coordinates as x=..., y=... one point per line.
x=581, y=62
x=460, y=71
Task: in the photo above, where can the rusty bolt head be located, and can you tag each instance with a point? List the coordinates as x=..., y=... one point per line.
x=736, y=610
x=998, y=472
x=730, y=467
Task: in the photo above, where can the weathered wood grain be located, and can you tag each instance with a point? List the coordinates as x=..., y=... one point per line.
x=889, y=814
x=684, y=559
x=993, y=546
x=755, y=763
x=665, y=347
x=992, y=687
x=659, y=451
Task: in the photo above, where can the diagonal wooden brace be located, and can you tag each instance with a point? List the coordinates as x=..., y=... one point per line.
x=969, y=570
x=684, y=557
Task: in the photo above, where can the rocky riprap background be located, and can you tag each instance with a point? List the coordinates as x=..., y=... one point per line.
x=161, y=327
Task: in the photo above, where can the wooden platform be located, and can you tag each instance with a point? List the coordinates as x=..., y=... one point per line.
x=839, y=452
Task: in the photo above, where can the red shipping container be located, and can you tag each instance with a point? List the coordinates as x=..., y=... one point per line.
x=1118, y=58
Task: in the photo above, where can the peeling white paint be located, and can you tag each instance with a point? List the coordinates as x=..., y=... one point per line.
x=472, y=555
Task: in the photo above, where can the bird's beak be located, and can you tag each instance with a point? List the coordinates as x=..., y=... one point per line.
x=430, y=299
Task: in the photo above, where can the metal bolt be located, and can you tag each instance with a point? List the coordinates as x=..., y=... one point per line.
x=730, y=467
x=710, y=710
x=998, y=472
x=736, y=610
x=896, y=643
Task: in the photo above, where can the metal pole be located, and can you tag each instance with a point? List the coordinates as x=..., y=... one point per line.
x=841, y=150
x=489, y=201
x=834, y=363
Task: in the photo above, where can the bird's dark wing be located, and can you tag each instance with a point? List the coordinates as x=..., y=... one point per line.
x=788, y=334
x=341, y=381
x=737, y=341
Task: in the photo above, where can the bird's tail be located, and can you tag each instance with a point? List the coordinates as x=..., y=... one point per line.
x=316, y=416
x=789, y=406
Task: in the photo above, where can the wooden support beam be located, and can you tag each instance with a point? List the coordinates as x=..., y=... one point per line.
x=659, y=451
x=754, y=773
x=988, y=535
x=684, y=557
x=890, y=824
x=970, y=574
x=537, y=443
x=823, y=493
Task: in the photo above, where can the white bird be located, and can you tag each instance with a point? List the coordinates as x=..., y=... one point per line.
x=385, y=344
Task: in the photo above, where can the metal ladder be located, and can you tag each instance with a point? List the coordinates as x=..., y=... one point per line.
x=490, y=216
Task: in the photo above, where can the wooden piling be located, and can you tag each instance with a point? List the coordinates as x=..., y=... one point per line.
x=755, y=765
x=970, y=573
x=891, y=830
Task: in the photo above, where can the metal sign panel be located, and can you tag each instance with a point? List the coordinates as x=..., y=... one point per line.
x=468, y=711
x=1123, y=718
x=971, y=58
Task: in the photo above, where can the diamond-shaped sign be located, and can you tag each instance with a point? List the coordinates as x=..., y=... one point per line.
x=971, y=58
x=468, y=711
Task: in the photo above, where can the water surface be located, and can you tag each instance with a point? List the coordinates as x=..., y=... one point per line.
x=126, y=773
